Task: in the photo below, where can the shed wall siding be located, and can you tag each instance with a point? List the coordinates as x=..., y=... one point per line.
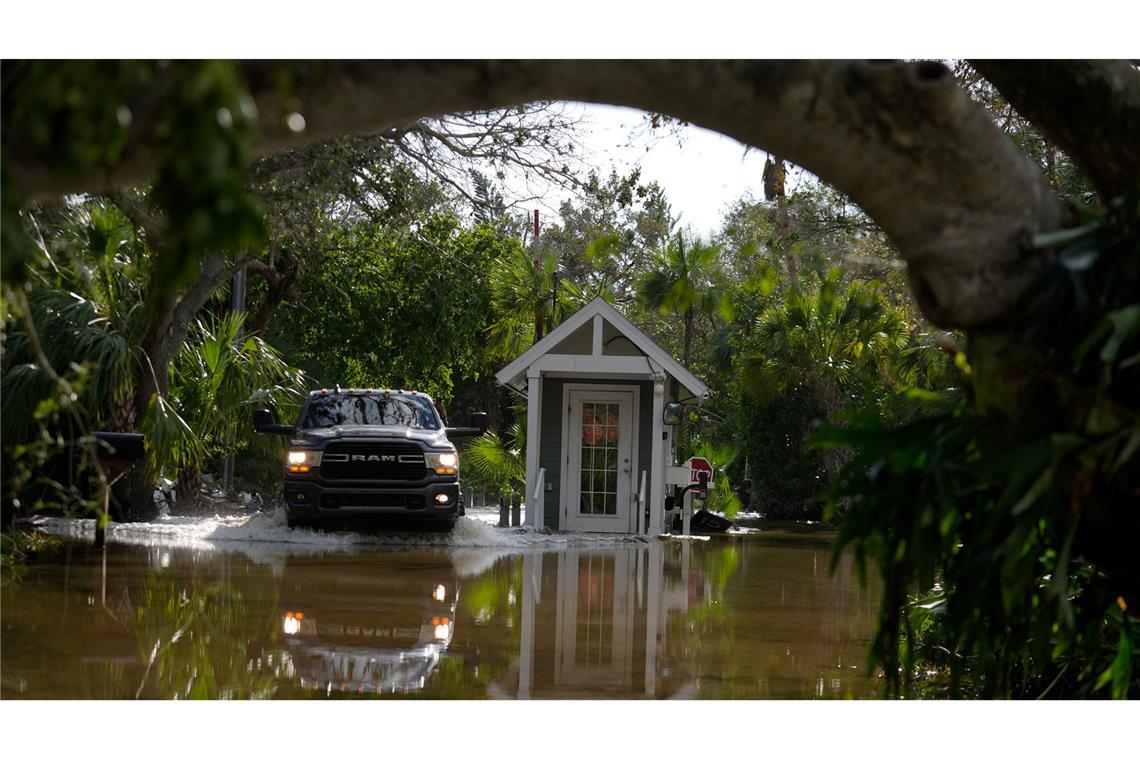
x=551, y=455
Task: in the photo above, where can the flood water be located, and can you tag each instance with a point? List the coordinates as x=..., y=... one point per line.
x=245, y=608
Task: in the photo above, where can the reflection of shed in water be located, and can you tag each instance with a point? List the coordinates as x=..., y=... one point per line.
x=594, y=622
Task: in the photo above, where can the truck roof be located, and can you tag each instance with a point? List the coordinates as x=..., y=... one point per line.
x=337, y=390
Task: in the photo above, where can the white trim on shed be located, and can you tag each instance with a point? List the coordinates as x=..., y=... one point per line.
x=514, y=374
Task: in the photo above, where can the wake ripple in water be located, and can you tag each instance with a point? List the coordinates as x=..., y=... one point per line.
x=270, y=528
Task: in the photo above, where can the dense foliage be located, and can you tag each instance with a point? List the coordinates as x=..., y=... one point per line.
x=396, y=308
x=1008, y=509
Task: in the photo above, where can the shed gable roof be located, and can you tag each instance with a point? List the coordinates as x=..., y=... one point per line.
x=511, y=374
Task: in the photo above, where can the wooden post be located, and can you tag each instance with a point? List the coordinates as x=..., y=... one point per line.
x=102, y=516
x=533, y=436
x=516, y=511
x=468, y=498
x=504, y=514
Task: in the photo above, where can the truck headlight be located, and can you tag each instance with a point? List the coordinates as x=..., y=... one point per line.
x=302, y=461
x=444, y=463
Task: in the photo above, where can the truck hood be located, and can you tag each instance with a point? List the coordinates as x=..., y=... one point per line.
x=432, y=438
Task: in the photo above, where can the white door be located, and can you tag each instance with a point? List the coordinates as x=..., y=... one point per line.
x=599, y=467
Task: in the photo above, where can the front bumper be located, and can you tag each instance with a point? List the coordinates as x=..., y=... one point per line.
x=313, y=499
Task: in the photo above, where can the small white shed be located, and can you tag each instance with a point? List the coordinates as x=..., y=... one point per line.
x=596, y=390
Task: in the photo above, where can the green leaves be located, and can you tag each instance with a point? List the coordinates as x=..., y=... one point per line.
x=1125, y=326
x=207, y=125
x=79, y=116
x=1016, y=511
x=499, y=460
x=1119, y=672
x=680, y=277
x=721, y=498
x=170, y=441
x=218, y=379
x=397, y=308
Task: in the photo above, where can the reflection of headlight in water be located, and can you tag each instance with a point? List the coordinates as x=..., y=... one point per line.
x=440, y=593
x=441, y=630
x=292, y=623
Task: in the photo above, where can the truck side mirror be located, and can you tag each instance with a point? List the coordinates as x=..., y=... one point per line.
x=478, y=427
x=263, y=423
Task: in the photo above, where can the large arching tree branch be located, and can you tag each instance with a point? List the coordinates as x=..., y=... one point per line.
x=1091, y=109
x=902, y=140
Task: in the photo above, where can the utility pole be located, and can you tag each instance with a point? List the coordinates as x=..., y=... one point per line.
x=537, y=266
x=237, y=306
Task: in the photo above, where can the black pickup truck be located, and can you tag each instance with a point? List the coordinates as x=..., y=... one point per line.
x=366, y=452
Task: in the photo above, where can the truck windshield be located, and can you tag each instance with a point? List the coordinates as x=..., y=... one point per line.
x=354, y=409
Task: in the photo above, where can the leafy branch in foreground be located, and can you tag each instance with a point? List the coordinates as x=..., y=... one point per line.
x=1002, y=520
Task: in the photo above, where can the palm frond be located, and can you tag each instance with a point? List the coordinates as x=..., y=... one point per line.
x=500, y=460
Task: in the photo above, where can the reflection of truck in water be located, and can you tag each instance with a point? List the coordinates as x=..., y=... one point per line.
x=362, y=630
x=360, y=452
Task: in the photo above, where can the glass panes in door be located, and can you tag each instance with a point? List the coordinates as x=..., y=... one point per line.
x=599, y=458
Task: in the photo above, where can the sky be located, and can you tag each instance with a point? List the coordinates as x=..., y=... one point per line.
x=701, y=171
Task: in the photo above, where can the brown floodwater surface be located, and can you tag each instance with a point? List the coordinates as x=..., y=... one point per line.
x=739, y=617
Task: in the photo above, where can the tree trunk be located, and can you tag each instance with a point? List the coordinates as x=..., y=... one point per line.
x=279, y=288
x=123, y=416
x=188, y=486
x=783, y=223
x=687, y=356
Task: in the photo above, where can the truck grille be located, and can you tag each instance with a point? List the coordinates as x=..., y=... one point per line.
x=373, y=461
x=398, y=500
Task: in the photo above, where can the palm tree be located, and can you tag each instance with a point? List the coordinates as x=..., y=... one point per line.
x=218, y=379
x=721, y=497
x=521, y=295
x=500, y=460
x=837, y=341
x=678, y=283
x=85, y=313
x=86, y=316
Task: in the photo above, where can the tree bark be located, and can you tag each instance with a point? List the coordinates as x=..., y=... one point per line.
x=901, y=139
x=279, y=288
x=688, y=348
x=783, y=222
x=1090, y=109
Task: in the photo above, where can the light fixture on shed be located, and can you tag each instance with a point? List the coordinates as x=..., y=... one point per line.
x=671, y=414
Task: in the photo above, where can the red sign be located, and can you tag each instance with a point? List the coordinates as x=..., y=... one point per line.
x=698, y=465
